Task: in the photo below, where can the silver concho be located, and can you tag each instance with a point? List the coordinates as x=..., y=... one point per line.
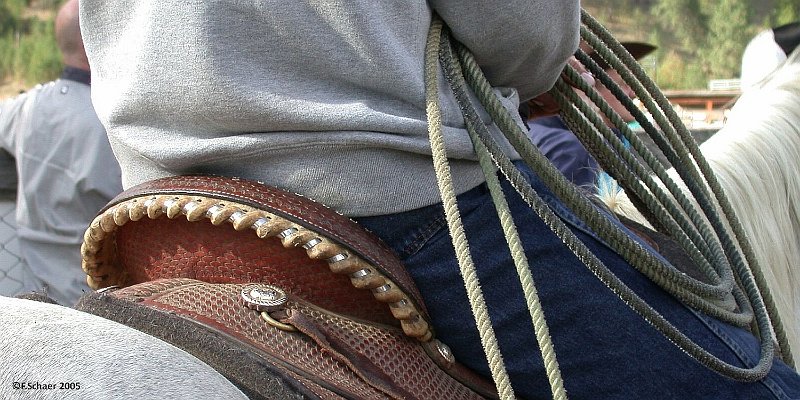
x=445, y=352
x=263, y=297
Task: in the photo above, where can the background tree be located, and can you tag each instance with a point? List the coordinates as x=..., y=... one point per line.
x=729, y=30
x=680, y=30
x=697, y=40
x=28, y=51
x=786, y=11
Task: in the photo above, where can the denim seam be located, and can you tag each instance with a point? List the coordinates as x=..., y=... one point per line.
x=743, y=357
x=565, y=215
x=419, y=239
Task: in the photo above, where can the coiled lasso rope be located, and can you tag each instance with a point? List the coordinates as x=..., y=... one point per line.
x=676, y=143
x=711, y=248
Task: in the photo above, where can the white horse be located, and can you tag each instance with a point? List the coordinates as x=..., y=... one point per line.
x=756, y=158
x=55, y=352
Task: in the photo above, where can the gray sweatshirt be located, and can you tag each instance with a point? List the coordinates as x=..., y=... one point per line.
x=322, y=98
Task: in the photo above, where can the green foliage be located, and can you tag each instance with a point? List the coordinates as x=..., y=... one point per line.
x=728, y=33
x=786, y=11
x=28, y=50
x=682, y=21
x=679, y=31
x=6, y=55
x=37, y=58
x=707, y=37
x=675, y=73
x=698, y=40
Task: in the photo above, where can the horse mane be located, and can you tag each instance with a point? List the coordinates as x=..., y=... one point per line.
x=756, y=158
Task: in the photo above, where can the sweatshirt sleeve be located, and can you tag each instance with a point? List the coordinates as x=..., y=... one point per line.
x=522, y=44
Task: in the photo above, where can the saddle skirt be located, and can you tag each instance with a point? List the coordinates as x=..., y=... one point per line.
x=322, y=304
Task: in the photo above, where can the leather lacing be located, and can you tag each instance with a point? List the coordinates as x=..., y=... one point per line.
x=102, y=271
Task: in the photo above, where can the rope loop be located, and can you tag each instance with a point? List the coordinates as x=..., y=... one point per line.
x=736, y=292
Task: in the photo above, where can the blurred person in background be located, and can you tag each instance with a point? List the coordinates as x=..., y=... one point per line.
x=766, y=51
x=65, y=169
x=560, y=145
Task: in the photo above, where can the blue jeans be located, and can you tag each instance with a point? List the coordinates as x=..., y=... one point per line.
x=604, y=349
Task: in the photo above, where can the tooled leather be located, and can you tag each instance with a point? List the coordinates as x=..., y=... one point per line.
x=318, y=390
x=293, y=207
x=404, y=370
x=221, y=254
x=217, y=307
x=341, y=358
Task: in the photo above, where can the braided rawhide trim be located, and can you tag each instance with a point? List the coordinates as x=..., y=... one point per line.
x=102, y=271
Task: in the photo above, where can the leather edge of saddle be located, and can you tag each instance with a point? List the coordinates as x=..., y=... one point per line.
x=238, y=362
x=191, y=185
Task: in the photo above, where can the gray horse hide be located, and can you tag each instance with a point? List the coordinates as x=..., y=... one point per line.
x=46, y=346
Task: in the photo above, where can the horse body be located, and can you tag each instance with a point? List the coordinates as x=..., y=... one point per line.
x=756, y=159
x=54, y=352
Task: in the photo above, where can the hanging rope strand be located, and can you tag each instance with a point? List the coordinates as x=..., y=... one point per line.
x=633, y=174
x=627, y=169
x=631, y=250
x=445, y=182
x=454, y=75
x=717, y=258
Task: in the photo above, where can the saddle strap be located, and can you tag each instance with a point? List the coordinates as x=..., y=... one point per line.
x=307, y=350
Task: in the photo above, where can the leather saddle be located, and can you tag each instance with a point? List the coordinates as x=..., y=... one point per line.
x=283, y=296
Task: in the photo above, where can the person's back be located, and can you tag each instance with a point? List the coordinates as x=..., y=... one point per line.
x=311, y=92
x=66, y=172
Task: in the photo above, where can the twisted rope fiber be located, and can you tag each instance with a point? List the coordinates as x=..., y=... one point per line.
x=755, y=298
x=684, y=161
x=681, y=140
x=664, y=207
x=710, y=274
x=564, y=190
x=546, y=170
x=444, y=180
x=644, y=90
x=666, y=202
x=691, y=144
x=583, y=130
x=722, y=308
x=636, y=303
x=587, y=132
x=686, y=286
x=650, y=208
x=686, y=234
x=713, y=306
x=752, y=267
x=454, y=75
x=584, y=210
